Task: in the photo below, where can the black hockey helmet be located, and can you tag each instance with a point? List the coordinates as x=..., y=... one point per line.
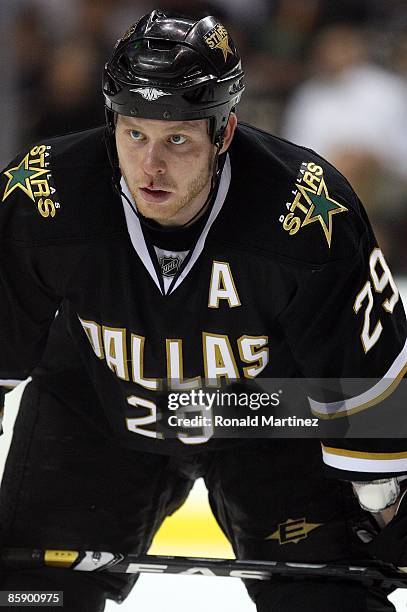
x=174, y=68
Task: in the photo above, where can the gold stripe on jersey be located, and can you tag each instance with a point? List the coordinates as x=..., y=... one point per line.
x=345, y=452
x=371, y=397
x=364, y=461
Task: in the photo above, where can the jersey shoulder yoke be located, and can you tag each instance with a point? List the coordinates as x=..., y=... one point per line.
x=59, y=189
x=291, y=202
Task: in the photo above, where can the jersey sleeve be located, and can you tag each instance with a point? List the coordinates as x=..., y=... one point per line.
x=34, y=268
x=27, y=309
x=346, y=329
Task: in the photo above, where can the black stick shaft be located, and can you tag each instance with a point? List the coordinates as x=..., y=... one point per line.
x=96, y=561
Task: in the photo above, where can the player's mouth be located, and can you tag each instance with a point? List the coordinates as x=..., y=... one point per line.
x=155, y=196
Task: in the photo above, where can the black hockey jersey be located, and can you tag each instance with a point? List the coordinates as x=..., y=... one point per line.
x=284, y=281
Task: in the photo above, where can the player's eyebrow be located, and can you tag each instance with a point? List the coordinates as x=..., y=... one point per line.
x=184, y=125
x=169, y=127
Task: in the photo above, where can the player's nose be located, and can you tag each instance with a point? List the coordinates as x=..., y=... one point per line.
x=153, y=161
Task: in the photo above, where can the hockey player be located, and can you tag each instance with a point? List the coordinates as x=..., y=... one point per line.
x=175, y=248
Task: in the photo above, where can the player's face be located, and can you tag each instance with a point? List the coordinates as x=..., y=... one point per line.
x=167, y=165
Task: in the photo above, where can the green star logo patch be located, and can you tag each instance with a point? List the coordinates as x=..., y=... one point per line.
x=20, y=177
x=311, y=203
x=33, y=177
x=322, y=208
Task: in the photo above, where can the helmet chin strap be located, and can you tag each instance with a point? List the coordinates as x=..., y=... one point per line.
x=116, y=179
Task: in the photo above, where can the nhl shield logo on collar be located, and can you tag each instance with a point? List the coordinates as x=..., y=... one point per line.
x=169, y=265
x=150, y=94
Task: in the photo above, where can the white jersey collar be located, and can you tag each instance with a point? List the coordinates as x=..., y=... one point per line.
x=137, y=236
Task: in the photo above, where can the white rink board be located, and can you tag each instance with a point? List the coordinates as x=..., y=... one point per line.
x=167, y=593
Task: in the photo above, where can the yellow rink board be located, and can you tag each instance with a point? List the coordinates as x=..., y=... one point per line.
x=192, y=531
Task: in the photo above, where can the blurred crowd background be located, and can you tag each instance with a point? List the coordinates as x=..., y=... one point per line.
x=327, y=74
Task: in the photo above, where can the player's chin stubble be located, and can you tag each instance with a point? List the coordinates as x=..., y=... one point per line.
x=195, y=188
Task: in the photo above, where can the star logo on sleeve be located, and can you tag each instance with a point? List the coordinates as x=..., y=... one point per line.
x=321, y=208
x=20, y=177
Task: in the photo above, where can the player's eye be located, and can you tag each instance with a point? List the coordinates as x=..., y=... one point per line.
x=178, y=139
x=136, y=135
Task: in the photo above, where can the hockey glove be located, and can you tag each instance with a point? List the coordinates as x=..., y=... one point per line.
x=390, y=544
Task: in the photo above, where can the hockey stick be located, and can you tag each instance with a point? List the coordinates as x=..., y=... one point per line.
x=374, y=573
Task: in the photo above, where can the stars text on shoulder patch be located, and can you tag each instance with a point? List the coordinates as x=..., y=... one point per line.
x=32, y=176
x=312, y=203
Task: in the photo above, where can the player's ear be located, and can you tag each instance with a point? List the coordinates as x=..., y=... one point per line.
x=229, y=132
